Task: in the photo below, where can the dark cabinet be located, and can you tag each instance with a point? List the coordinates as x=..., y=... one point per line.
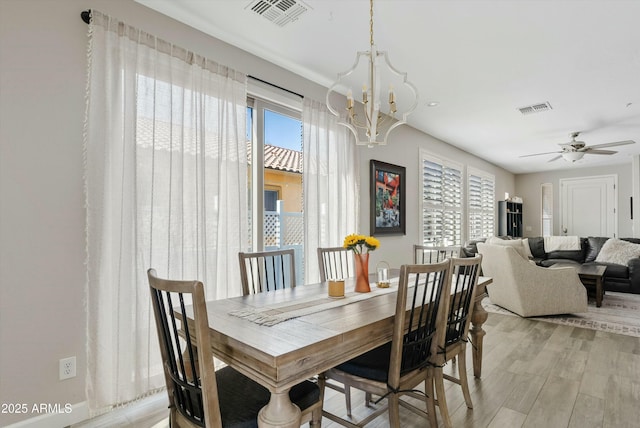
x=509, y=218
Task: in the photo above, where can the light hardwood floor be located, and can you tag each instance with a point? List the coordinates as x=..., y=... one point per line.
x=535, y=374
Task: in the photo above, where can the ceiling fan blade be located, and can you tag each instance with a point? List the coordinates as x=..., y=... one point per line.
x=555, y=158
x=538, y=154
x=600, y=152
x=617, y=143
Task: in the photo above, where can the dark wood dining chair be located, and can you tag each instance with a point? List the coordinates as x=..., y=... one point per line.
x=397, y=367
x=267, y=270
x=335, y=263
x=198, y=394
x=423, y=254
x=465, y=272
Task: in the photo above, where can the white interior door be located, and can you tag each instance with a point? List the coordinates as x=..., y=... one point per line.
x=588, y=206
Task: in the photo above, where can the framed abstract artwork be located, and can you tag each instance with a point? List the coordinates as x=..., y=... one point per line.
x=387, y=199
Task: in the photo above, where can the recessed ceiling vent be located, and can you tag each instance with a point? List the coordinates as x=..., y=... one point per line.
x=280, y=12
x=535, y=108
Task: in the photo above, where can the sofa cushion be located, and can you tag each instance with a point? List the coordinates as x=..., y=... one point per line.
x=536, y=245
x=594, y=245
x=613, y=270
x=551, y=262
x=618, y=251
x=576, y=256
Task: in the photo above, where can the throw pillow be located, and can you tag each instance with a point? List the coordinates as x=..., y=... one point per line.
x=515, y=243
x=536, y=245
x=618, y=252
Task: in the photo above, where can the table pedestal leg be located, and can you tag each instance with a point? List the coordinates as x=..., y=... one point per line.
x=478, y=318
x=280, y=412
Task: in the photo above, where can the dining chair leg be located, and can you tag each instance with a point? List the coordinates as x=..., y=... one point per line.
x=462, y=375
x=316, y=418
x=441, y=397
x=316, y=414
x=347, y=398
x=393, y=401
x=322, y=381
x=430, y=400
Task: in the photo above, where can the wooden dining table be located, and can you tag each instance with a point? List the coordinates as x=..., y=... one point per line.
x=280, y=338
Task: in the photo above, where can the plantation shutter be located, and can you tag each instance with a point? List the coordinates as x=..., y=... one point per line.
x=441, y=202
x=481, y=204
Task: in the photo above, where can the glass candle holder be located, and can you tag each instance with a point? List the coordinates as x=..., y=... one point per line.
x=336, y=288
x=383, y=277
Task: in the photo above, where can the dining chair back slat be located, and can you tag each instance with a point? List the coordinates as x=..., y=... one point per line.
x=191, y=382
x=464, y=280
x=335, y=263
x=267, y=271
x=427, y=300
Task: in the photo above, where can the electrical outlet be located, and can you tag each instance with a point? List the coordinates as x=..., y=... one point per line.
x=67, y=368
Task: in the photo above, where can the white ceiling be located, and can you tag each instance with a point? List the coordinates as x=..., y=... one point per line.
x=480, y=59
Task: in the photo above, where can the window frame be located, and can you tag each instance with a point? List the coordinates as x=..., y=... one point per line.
x=260, y=97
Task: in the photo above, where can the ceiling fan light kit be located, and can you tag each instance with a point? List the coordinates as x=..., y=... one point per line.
x=372, y=126
x=575, y=150
x=572, y=156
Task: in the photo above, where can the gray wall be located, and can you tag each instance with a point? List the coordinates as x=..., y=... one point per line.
x=528, y=186
x=404, y=150
x=43, y=47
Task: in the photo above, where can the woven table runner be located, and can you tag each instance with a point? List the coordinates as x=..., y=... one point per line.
x=271, y=315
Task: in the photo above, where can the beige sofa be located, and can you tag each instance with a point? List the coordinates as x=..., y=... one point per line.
x=529, y=290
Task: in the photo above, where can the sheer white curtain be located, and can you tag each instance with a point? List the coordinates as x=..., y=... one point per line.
x=166, y=162
x=331, y=183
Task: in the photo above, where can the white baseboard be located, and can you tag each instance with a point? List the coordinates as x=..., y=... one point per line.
x=60, y=418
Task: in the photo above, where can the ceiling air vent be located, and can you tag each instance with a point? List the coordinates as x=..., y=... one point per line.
x=535, y=108
x=280, y=12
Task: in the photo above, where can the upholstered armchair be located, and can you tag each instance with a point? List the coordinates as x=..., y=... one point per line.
x=529, y=290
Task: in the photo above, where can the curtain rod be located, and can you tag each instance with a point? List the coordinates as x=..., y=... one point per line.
x=86, y=17
x=275, y=86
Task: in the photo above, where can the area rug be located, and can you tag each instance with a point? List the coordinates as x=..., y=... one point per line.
x=619, y=313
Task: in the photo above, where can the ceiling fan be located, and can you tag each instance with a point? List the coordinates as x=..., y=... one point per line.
x=575, y=150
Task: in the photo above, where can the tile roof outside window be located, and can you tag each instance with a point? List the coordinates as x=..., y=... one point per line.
x=280, y=158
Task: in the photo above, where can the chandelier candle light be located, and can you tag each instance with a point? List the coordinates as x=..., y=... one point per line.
x=374, y=123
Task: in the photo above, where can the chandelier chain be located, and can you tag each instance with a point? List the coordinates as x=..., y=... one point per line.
x=371, y=22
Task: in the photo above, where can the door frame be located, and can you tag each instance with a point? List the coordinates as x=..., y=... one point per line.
x=606, y=179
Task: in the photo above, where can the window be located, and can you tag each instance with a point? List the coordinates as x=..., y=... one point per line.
x=441, y=201
x=547, y=209
x=274, y=135
x=481, y=206
x=271, y=200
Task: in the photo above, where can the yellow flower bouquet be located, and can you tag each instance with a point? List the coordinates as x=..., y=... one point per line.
x=361, y=244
